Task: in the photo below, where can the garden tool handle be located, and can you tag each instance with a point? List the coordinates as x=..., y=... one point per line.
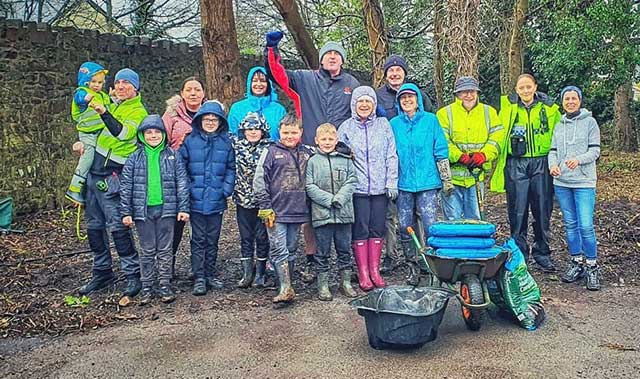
x=412, y=233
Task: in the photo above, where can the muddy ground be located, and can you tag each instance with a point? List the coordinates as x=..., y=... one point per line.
x=586, y=334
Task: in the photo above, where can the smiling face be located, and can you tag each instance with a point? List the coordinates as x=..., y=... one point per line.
x=327, y=141
x=332, y=62
x=97, y=81
x=153, y=137
x=469, y=98
x=192, y=93
x=409, y=102
x=395, y=76
x=259, y=84
x=526, y=88
x=210, y=123
x=124, y=90
x=253, y=135
x=364, y=107
x=571, y=102
x=290, y=135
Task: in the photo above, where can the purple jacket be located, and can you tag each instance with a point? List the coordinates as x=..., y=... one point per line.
x=279, y=182
x=373, y=146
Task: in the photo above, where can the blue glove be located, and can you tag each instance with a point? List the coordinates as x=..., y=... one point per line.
x=273, y=38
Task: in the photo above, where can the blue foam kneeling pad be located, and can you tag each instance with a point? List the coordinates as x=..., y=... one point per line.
x=469, y=253
x=461, y=242
x=470, y=228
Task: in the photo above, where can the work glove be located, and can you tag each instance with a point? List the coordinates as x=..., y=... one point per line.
x=477, y=159
x=268, y=216
x=444, y=170
x=465, y=159
x=392, y=193
x=447, y=188
x=273, y=38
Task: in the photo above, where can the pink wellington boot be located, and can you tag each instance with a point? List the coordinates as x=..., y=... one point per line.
x=375, y=251
x=361, y=253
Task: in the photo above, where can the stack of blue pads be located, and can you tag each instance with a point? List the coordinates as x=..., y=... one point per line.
x=468, y=239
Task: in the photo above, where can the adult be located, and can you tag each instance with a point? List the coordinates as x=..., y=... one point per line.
x=115, y=143
x=371, y=140
x=177, y=119
x=575, y=146
x=261, y=98
x=319, y=96
x=395, y=73
x=423, y=165
x=474, y=132
x=529, y=117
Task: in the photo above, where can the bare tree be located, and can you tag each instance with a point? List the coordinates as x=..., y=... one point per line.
x=462, y=36
x=295, y=24
x=512, y=46
x=220, y=51
x=624, y=134
x=377, y=32
x=439, y=54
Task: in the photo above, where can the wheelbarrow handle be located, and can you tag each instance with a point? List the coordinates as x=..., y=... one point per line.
x=415, y=239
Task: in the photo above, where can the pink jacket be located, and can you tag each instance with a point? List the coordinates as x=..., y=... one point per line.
x=177, y=122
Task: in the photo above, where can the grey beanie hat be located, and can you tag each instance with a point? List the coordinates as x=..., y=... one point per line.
x=466, y=83
x=333, y=46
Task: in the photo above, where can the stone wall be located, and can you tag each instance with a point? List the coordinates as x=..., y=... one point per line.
x=38, y=69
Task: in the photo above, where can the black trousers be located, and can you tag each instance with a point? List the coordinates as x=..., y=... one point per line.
x=370, y=216
x=253, y=233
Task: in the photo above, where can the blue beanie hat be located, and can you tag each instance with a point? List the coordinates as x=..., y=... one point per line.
x=130, y=76
x=396, y=60
x=333, y=46
x=569, y=89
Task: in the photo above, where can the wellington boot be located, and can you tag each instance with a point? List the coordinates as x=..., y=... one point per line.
x=98, y=281
x=375, y=251
x=361, y=254
x=345, y=284
x=285, y=293
x=261, y=273
x=324, y=293
x=247, y=273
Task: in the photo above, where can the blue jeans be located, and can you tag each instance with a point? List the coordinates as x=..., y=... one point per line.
x=204, y=243
x=340, y=235
x=283, y=242
x=427, y=204
x=577, y=206
x=463, y=203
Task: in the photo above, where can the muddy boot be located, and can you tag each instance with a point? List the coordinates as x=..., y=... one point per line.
x=247, y=273
x=575, y=271
x=345, y=284
x=593, y=277
x=292, y=269
x=375, y=251
x=99, y=280
x=324, y=293
x=361, y=254
x=409, y=250
x=261, y=273
x=200, y=287
x=146, y=296
x=308, y=274
x=387, y=265
x=133, y=286
x=285, y=293
x=166, y=293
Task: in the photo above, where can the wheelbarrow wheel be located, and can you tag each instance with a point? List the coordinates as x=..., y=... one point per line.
x=471, y=292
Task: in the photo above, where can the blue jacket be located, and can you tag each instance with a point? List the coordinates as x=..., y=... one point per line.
x=133, y=180
x=267, y=105
x=420, y=143
x=210, y=162
x=373, y=147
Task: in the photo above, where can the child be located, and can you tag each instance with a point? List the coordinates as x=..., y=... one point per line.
x=423, y=155
x=210, y=162
x=575, y=147
x=372, y=142
x=330, y=182
x=252, y=140
x=89, y=124
x=279, y=191
x=154, y=191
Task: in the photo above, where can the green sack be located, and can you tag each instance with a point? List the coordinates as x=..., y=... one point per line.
x=521, y=296
x=6, y=213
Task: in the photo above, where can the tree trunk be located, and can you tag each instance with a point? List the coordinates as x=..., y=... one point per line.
x=514, y=47
x=439, y=52
x=377, y=32
x=625, y=138
x=295, y=24
x=462, y=36
x=220, y=51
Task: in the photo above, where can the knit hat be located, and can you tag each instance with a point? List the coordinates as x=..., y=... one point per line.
x=333, y=46
x=466, y=83
x=130, y=76
x=396, y=60
x=569, y=89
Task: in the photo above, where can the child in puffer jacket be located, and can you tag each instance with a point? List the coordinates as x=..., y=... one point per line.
x=154, y=192
x=252, y=140
x=371, y=140
x=210, y=160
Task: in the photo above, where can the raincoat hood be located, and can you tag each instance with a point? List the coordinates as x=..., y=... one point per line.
x=152, y=121
x=414, y=88
x=211, y=107
x=270, y=95
x=254, y=120
x=87, y=70
x=358, y=93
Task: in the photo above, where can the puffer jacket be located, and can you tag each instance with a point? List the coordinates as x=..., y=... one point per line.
x=279, y=182
x=576, y=138
x=210, y=162
x=177, y=121
x=420, y=143
x=133, y=180
x=267, y=106
x=374, y=147
x=247, y=157
x=331, y=177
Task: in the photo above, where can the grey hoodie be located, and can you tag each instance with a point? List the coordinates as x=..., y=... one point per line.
x=577, y=138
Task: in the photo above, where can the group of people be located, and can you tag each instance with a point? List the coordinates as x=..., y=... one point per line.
x=348, y=166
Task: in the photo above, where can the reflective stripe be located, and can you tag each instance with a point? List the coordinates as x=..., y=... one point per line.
x=458, y=172
x=487, y=118
x=87, y=123
x=450, y=117
x=471, y=146
x=88, y=114
x=495, y=144
x=105, y=153
x=497, y=128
